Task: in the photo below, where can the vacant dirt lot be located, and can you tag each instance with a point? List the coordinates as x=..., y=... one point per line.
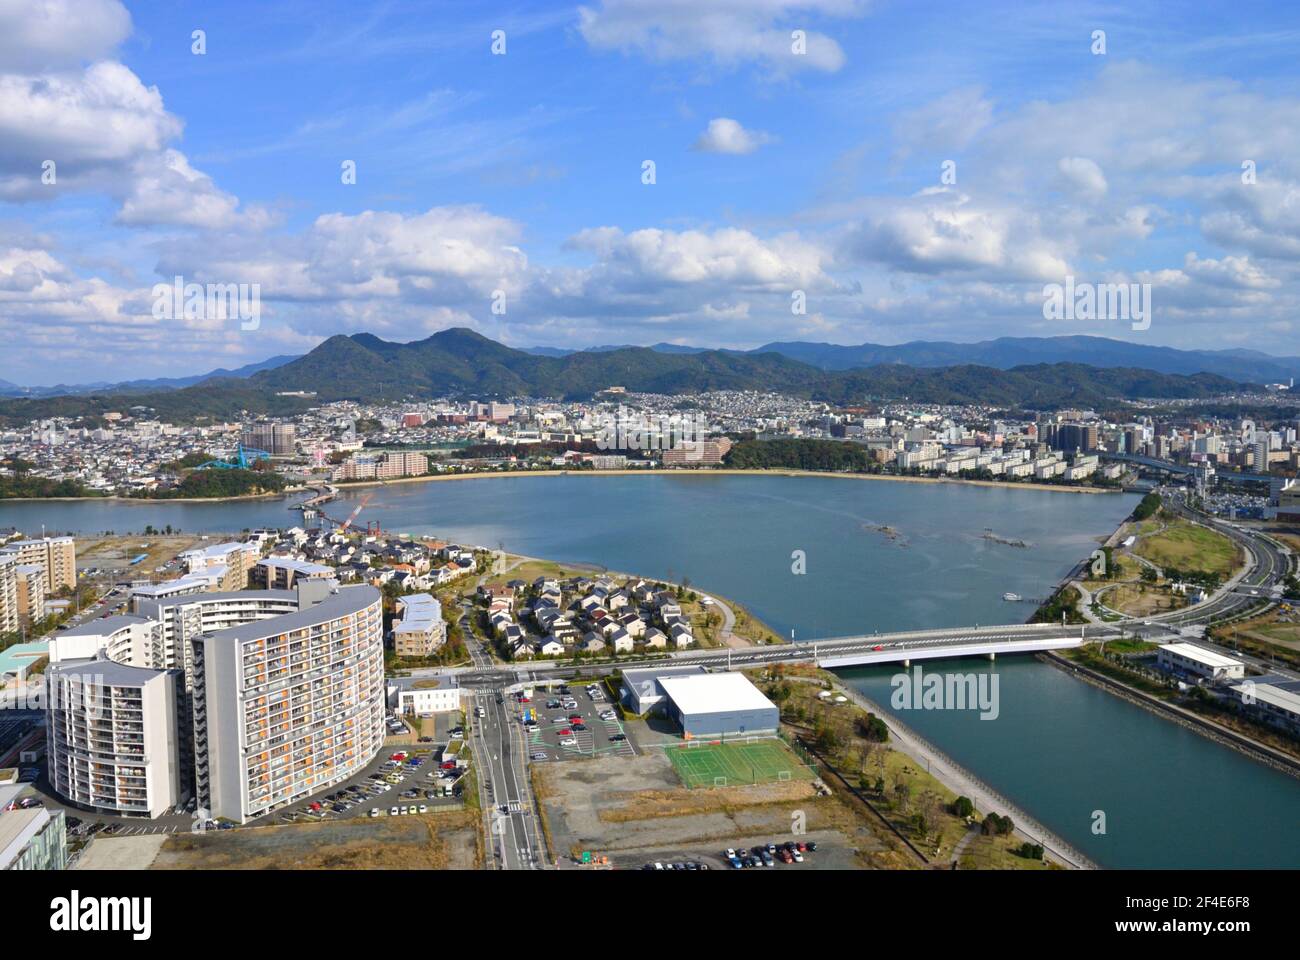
x=635, y=808
x=433, y=842
x=115, y=552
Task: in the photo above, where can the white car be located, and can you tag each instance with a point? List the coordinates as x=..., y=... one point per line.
x=569, y=742
x=393, y=811
x=424, y=808
x=374, y=811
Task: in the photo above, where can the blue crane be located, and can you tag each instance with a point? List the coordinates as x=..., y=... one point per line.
x=243, y=458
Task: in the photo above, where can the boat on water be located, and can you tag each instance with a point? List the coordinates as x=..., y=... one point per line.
x=1011, y=596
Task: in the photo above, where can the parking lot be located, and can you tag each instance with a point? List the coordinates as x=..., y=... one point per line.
x=581, y=722
x=825, y=851
x=408, y=779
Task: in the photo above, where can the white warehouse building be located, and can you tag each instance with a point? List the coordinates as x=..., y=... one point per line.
x=1197, y=661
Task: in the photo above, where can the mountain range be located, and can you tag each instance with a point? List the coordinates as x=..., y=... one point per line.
x=8, y=389
x=1003, y=353
x=462, y=362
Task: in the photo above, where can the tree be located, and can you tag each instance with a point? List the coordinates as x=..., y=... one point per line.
x=902, y=796
x=872, y=728
x=963, y=807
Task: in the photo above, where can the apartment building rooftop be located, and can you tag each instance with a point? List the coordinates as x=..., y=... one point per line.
x=340, y=602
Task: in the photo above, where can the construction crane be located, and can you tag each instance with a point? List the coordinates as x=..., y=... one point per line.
x=244, y=456
x=353, y=515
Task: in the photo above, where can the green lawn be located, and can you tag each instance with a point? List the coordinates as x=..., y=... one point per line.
x=732, y=763
x=1189, y=546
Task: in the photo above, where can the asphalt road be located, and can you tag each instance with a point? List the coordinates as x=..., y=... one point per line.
x=500, y=749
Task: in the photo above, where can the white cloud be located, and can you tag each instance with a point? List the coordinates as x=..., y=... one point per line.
x=729, y=32
x=725, y=135
x=94, y=125
x=728, y=256
x=166, y=191
x=42, y=34
x=941, y=232
x=102, y=129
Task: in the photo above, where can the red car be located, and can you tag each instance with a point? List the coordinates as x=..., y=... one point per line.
x=575, y=717
x=566, y=732
x=447, y=765
x=877, y=647
x=399, y=757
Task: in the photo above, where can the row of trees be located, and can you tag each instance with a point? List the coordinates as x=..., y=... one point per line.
x=793, y=454
x=1147, y=507
x=215, y=484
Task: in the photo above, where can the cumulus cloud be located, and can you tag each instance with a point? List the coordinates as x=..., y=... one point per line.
x=166, y=190
x=71, y=119
x=729, y=32
x=728, y=256
x=93, y=124
x=54, y=34
x=725, y=135
x=940, y=231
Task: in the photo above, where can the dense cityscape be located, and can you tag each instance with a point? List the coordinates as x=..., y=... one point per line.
x=445, y=442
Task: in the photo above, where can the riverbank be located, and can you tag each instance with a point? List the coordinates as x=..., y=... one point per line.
x=962, y=782
x=1243, y=744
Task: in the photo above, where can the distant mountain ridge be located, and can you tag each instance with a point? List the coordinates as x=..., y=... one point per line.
x=8, y=389
x=461, y=362
x=1005, y=353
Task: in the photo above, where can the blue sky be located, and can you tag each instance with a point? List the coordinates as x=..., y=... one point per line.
x=517, y=179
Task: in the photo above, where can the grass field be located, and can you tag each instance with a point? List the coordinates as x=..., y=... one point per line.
x=1188, y=546
x=729, y=764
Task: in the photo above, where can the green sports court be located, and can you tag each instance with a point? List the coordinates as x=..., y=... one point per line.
x=736, y=762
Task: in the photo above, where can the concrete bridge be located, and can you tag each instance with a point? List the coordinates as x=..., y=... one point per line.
x=860, y=650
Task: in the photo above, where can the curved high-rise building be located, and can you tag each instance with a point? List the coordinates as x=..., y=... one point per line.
x=287, y=706
x=247, y=700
